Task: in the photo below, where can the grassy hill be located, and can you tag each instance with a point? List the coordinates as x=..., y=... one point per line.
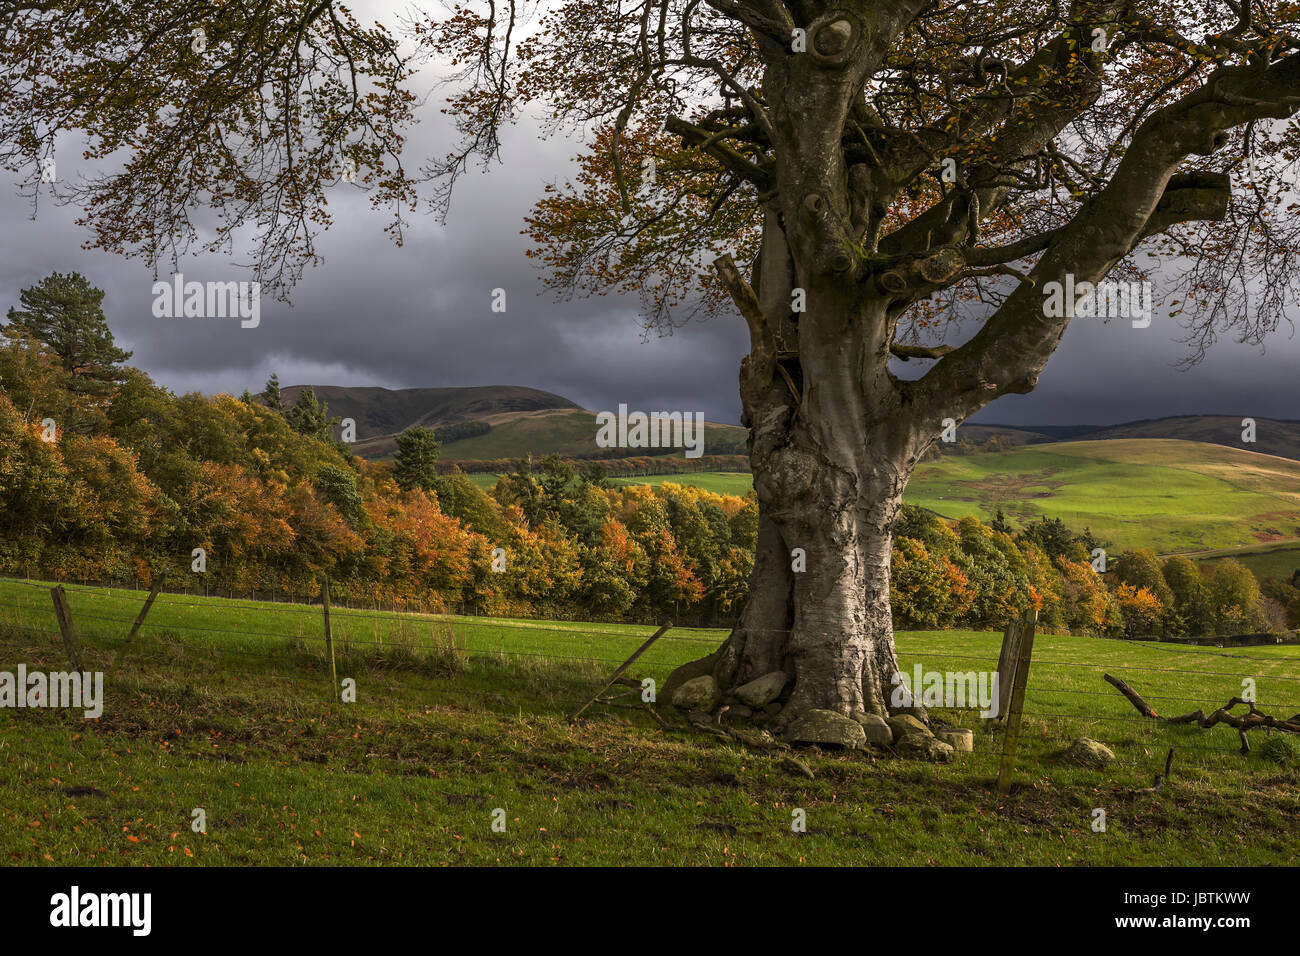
x=226, y=706
x=524, y=421
x=381, y=413
x=1273, y=436
x=719, y=482
x=528, y=421
x=1163, y=494
x=569, y=432
x=1012, y=433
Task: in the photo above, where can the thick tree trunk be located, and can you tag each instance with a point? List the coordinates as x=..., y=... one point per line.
x=758, y=644
x=818, y=605
x=834, y=516
x=842, y=641
x=829, y=466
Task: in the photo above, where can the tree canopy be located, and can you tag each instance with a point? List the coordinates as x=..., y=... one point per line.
x=958, y=144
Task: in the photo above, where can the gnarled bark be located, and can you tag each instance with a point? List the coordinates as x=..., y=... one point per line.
x=831, y=450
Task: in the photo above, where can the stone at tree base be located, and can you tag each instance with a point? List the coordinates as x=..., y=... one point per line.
x=761, y=691
x=772, y=709
x=668, y=689
x=698, y=693
x=904, y=724
x=875, y=729
x=959, y=739
x=826, y=727
x=1088, y=752
x=740, y=712
x=924, y=745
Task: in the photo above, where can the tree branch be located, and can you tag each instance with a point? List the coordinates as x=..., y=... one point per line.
x=732, y=159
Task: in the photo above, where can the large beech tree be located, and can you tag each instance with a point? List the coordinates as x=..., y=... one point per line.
x=850, y=176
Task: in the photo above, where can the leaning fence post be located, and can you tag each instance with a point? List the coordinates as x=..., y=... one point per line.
x=64, y=617
x=1011, y=743
x=329, y=636
x=139, y=621
x=620, y=669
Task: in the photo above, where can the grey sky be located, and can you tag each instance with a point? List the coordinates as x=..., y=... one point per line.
x=420, y=315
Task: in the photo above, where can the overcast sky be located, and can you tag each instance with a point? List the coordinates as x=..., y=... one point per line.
x=420, y=315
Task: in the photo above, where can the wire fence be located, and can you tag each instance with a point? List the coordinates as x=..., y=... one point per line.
x=1056, y=707
x=347, y=593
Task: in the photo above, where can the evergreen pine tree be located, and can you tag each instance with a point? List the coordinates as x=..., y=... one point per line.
x=310, y=416
x=417, y=457
x=65, y=313
x=271, y=396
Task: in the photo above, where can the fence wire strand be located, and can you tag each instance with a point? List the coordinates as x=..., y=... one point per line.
x=346, y=621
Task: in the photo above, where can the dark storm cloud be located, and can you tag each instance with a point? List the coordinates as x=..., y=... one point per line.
x=416, y=315
x=420, y=315
x=1112, y=372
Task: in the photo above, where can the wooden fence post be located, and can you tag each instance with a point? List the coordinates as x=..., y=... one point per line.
x=1007, y=659
x=1011, y=743
x=139, y=620
x=329, y=635
x=64, y=617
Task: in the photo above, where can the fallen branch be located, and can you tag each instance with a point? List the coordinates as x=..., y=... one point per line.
x=1243, y=723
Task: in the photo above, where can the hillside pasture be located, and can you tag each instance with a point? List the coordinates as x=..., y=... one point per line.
x=226, y=705
x=1163, y=494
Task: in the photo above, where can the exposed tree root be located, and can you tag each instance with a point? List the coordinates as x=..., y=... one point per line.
x=775, y=748
x=1243, y=723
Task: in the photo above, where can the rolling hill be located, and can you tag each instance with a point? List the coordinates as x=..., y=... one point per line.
x=570, y=432
x=383, y=412
x=1181, y=484
x=1273, y=436
x=522, y=421
x=1166, y=494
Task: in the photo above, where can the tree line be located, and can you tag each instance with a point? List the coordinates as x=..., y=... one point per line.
x=104, y=475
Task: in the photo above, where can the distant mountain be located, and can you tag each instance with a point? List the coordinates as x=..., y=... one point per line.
x=522, y=421
x=1273, y=436
x=569, y=432
x=1056, y=432
x=383, y=413
x=1016, y=434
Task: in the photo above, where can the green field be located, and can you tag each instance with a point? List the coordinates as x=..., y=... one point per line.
x=1266, y=560
x=719, y=482
x=1161, y=494
x=225, y=705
